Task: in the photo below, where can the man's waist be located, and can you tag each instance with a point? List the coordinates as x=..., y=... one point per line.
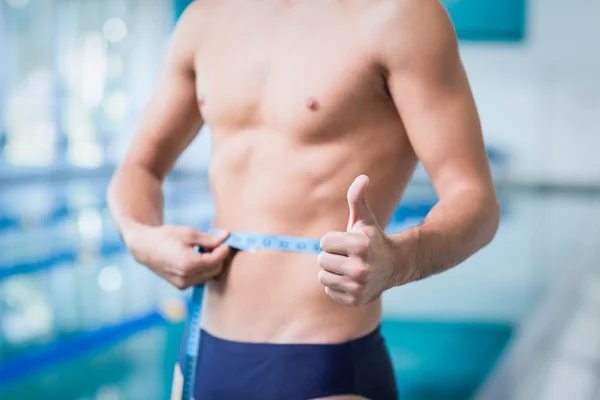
x=273, y=317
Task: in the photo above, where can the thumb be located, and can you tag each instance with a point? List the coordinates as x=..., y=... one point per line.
x=211, y=240
x=360, y=213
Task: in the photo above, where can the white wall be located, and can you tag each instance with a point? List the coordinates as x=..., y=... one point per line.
x=540, y=100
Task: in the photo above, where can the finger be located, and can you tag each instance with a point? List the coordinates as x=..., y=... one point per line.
x=330, y=280
x=338, y=282
x=202, y=266
x=199, y=278
x=207, y=241
x=205, y=275
x=333, y=263
x=345, y=243
x=356, y=270
x=191, y=263
x=341, y=297
x=213, y=258
x=360, y=213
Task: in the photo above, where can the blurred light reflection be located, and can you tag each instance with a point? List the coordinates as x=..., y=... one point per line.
x=110, y=279
x=89, y=224
x=115, y=30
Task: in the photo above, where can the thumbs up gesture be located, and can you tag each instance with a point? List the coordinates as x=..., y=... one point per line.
x=357, y=265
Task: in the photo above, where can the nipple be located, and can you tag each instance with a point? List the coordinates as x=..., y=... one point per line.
x=312, y=104
x=200, y=101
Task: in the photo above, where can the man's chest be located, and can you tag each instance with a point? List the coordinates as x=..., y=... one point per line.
x=307, y=76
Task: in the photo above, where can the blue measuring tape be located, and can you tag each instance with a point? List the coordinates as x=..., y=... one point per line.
x=244, y=242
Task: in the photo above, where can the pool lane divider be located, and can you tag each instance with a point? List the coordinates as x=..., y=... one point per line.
x=62, y=211
x=62, y=257
x=39, y=357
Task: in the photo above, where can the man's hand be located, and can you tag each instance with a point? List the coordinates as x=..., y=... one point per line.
x=357, y=265
x=170, y=251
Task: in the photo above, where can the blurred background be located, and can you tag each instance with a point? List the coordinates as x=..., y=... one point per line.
x=79, y=319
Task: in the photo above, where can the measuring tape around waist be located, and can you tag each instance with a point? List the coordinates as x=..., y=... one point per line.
x=245, y=242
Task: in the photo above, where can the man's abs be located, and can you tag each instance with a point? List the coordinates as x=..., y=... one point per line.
x=266, y=183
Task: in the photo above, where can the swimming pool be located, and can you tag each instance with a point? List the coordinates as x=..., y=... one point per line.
x=80, y=319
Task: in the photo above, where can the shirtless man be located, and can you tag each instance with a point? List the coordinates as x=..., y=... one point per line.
x=307, y=101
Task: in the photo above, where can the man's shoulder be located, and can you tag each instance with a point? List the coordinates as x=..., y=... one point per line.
x=409, y=29
x=199, y=13
x=392, y=13
x=191, y=27
x=196, y=11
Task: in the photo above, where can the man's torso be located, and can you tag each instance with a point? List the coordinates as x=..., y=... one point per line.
x=295, y=96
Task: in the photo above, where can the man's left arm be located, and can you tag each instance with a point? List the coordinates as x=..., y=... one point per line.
x=430, y=89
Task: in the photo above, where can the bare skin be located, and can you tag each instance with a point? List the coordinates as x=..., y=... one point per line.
x=303, y=98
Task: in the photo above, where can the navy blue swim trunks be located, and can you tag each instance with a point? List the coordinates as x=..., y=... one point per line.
x=230, y=370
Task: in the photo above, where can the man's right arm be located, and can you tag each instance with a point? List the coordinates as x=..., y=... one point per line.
x=168, y=124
